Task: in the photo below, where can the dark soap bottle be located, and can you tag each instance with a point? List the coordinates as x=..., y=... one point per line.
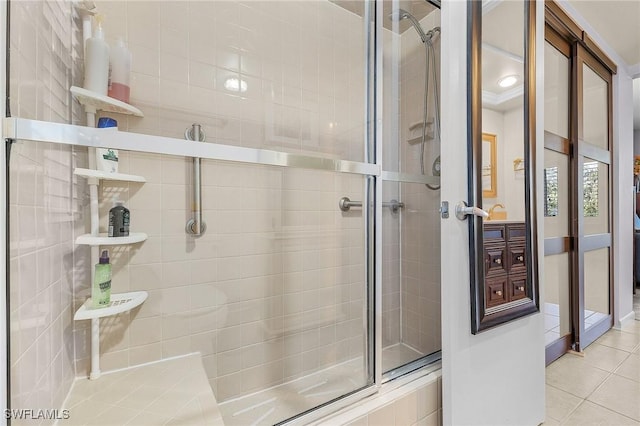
x=119, y=219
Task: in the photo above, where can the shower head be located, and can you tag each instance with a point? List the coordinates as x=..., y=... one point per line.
x=401, y=14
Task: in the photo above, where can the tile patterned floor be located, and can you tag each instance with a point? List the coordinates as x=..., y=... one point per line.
x=172, y=392
x=600, y=388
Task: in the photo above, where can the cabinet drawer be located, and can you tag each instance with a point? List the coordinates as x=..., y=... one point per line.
x=495, y=260
x=494, y=233
x=516, y=232
x=517, y=258
x=517, y=287
x=495, y=291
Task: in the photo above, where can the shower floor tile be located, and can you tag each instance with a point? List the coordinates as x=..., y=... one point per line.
x=399, y=354
x=170, y=392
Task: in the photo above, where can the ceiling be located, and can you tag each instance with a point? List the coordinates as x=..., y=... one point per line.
x=617, y=22
x=502, y=53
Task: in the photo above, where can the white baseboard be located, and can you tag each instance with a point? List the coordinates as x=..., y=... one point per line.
x=625, y=320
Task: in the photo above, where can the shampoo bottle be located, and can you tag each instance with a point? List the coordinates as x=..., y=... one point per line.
x=107, y=158
x=96, y=61
x=101, y=289
x=120, y=71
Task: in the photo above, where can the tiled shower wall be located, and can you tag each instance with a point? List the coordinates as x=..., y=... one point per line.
x=275, y=288
x=44, y=206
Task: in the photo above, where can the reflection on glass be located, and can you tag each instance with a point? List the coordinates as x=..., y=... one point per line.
x=551, y=191
x=595, y=187
x=556, y=292
x=590, y=185
x=595, y=106
x=503, y=109
x=556, y=91
x=596, y=286
x=556, y=191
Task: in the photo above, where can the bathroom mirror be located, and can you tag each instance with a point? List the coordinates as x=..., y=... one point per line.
x=501, y=111
x=489, y=166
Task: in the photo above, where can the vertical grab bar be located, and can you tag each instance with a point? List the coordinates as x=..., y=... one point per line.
x=196, y=226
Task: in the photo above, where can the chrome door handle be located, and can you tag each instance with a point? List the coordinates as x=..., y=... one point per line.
x=462, y=211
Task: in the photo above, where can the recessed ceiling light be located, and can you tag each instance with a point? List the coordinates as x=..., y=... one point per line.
x=233, y=84
x=508, y=81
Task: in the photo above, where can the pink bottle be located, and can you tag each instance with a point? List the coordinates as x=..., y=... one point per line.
x=120, y=71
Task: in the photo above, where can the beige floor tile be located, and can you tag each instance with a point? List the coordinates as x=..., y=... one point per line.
x=632, y=327
x=619, y=394
x=630, y=368
x=560, y=403
x=115, y=416
x=550, y=422
x=604, y=357
x=620, y=340
x=573, y=375
x=589, y=413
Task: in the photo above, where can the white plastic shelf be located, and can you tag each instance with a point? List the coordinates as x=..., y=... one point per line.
x=104, y=240
x=99, y=174
x=103, y=103
x=121, y=302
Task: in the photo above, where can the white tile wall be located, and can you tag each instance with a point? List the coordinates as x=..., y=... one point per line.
x=43, y=206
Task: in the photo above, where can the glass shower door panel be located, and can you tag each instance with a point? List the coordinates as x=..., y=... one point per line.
x=290, y=286
x=410, y=274
x=411, y=165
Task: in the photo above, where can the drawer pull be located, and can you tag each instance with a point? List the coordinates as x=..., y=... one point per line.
x=498, y=292
x=520, y=258
x=521, y=288
x=498, y=261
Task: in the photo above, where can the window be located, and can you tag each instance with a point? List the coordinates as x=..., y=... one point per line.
x=551, y=191
x=590, y=186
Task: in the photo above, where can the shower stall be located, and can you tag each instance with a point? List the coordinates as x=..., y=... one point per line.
x=318, y=273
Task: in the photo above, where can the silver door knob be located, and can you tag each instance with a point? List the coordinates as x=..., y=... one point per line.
x=462, y=211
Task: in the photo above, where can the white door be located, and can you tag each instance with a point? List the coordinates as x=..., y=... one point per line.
x=495, y=377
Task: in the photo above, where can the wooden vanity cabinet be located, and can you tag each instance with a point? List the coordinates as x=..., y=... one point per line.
x=505, y=268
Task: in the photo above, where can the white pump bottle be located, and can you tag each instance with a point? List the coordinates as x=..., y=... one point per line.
x=96, y=61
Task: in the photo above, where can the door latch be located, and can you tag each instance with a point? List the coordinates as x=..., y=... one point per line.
x=444, y=210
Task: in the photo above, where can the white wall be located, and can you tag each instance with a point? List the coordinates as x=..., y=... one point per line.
x=504, y=365
x=636, y=142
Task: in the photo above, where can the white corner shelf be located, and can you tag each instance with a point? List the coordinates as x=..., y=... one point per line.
x=103, y=103
x=99, y=174
x=120, y=302
x=104, y=240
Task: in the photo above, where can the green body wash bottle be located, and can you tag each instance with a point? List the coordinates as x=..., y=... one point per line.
x=101, y=289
